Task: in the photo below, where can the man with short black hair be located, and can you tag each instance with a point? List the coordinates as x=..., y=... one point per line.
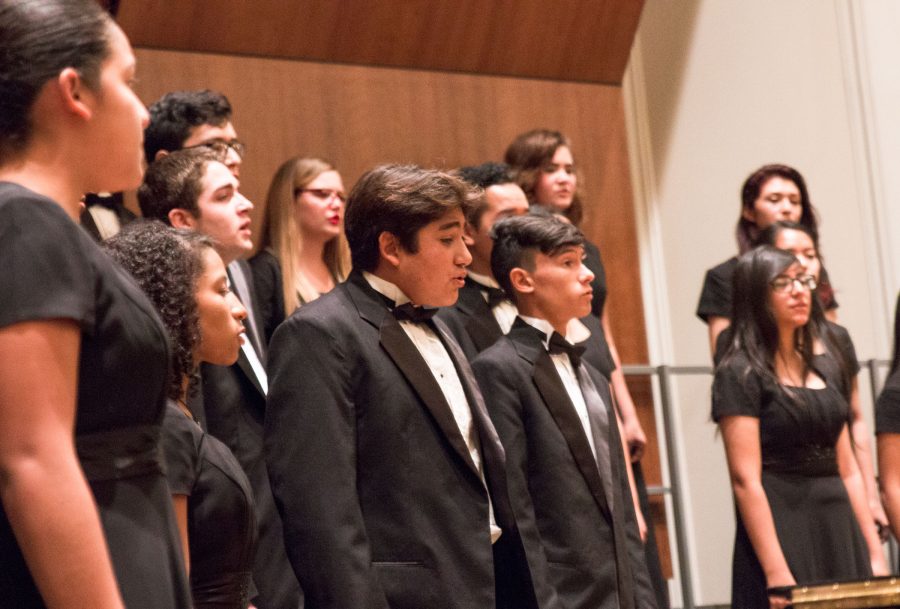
x=552, y=410
x=384, y=463
x=483, y=313
x=184, y=119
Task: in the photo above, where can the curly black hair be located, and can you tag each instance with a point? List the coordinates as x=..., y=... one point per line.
x=166, y=264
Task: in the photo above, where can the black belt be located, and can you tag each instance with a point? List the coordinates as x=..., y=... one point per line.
x=816, y=461
x=120, y=453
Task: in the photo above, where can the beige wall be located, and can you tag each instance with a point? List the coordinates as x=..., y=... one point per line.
x=717, y=88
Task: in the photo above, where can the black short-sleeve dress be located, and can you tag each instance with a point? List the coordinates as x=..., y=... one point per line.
x=814, y=521
x=221, y=521
x=715, y=297
x=53, y=270
x=887, y=407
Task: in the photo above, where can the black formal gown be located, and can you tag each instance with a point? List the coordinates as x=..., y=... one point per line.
x=221, y=522
x=814, y=521
x=53, y=270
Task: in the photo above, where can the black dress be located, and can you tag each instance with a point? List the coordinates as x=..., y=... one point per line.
x=52, y=270
x=221, y=522
x=267, y=281
x=814, y=521
x=715, y=297
x=592, y=261
x=887, y=407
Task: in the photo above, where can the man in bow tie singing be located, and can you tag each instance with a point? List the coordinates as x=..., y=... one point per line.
x=552, y=410
x=386, y=469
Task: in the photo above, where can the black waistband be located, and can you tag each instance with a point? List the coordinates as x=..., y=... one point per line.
x=816, y=461
x=120, y=453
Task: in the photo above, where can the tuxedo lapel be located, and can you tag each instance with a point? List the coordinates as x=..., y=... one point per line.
x=410, y=362
x=549, y=385
x=244, y=365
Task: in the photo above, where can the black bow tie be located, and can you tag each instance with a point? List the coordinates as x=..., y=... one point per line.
x=408, y=312
x=494, y=296
x=558, y=344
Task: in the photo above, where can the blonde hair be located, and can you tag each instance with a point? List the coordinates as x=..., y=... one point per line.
x=282, y=237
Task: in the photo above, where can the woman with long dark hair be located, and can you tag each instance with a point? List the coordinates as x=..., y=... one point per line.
x=185, y=279
x=86, y=518
x=802, y=515
x=769, y=194
x=799, y=240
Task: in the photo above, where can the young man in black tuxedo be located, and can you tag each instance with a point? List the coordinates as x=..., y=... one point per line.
x=385, y=466
x=483, y=313
x=565, y=457
x=195, y=188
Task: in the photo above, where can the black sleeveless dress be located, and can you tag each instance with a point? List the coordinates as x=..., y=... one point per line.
x=221, y=521
x=814, y=521
x=53, y=270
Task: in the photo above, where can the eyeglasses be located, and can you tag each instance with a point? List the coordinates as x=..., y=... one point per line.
x=221, y=146
x=322, y=193
x=783, y=284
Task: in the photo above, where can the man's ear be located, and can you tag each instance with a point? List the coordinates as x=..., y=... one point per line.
x=389, y=247
x=468, y=235
x=181, y=218
x=521, y=280
x=160, y=154
x=75, y=96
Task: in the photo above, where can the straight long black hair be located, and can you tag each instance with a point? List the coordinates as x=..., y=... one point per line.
x=755, y=330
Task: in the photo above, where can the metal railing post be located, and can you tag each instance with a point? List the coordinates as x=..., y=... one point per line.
x=684, y=568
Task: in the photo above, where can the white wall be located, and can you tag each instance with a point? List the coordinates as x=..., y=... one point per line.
x=715, y=89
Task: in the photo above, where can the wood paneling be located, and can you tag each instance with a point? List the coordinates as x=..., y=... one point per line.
x=358, y=117
x=575, y=40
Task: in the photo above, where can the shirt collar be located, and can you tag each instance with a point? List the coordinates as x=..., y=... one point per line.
x=483, y=280
x=576, y=332
x=386, y=288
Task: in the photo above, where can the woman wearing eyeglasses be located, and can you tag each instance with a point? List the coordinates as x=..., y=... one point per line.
x=802, y=515
x=802, y=242
x=303, y=250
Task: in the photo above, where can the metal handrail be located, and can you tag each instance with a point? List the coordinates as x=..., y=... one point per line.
x=664, y=373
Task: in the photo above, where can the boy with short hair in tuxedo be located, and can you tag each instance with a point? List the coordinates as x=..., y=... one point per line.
x=385, y=466
x=552, y=410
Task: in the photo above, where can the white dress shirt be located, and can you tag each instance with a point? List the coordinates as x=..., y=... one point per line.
x=505, y=312
x=575, y=333
x=441, y=365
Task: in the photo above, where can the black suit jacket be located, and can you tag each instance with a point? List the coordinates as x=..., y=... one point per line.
x=381, y=504
x=234, y=406
x=475, y=328
x=550, y=467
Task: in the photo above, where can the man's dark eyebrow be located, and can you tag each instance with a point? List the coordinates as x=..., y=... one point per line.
x=452, y=224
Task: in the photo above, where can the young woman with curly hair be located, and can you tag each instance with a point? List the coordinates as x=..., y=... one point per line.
x=185, y=279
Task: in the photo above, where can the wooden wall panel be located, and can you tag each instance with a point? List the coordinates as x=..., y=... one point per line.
x=362, y=116
x=577, y=40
